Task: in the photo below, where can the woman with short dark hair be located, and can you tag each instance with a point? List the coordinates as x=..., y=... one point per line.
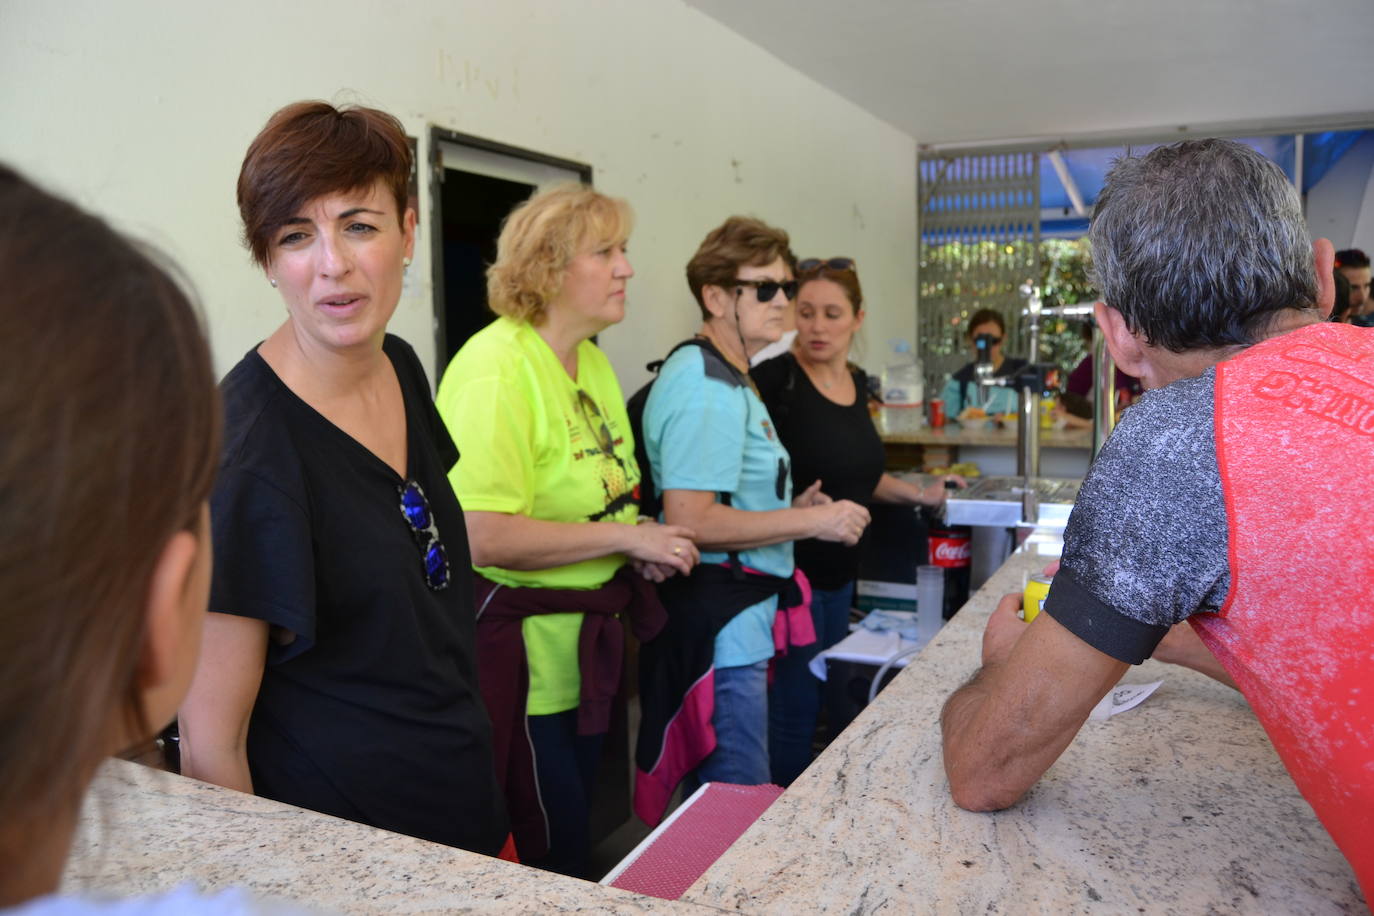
x=339, y=671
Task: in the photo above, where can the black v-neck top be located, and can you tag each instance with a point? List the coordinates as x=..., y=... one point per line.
x=834, y=443
x=372, y=711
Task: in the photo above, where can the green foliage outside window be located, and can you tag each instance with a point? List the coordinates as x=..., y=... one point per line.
x=957, y=278
x=1064, y=280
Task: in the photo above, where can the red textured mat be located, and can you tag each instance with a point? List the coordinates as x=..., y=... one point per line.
x=694, y=836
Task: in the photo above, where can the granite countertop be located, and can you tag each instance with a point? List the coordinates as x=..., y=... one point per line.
x=145, y=831
x=1177, y=806
x=954, y=434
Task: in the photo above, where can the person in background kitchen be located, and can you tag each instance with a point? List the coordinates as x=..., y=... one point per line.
x=548, y=479
x=105, y=550
x=1354, y=265
x=1341, y=311
x=818, y=401
x=1076, y=403
x=961, y=393
x=339, y=671
x=723, y=473
x=1214, y=296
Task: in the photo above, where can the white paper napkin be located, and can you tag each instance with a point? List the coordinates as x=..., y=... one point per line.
x=1121, y=698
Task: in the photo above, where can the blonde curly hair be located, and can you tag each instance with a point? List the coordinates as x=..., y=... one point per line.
x=539, y=240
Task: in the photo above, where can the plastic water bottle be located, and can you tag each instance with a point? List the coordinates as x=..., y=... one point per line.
x=903, y=391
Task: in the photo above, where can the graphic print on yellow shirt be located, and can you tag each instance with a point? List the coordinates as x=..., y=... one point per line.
x=615, y=476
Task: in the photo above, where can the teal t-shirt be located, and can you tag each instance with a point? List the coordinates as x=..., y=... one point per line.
x=959, y=395
x=704, y=433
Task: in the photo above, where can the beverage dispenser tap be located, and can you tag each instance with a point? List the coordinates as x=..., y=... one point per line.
x=1029, y=383
x=1033, y=382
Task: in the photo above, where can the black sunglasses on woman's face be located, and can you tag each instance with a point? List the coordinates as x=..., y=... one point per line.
x=767, y=289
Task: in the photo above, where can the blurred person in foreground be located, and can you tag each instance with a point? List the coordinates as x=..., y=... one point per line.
x=105, y=469
x=1256, y=417
x=548, y=478
x=339, y=671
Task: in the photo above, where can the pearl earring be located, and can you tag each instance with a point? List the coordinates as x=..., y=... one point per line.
x=405, y=262
x=273, y=281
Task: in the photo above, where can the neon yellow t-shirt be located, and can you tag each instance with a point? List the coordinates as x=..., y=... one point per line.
x=532, y=441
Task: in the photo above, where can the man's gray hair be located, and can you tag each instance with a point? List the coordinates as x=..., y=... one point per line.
x=1199, y=244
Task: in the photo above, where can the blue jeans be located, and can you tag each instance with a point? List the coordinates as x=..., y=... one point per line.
x=794, y=701
x=741, y=723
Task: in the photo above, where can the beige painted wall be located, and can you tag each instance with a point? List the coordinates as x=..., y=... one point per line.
x=142, y=111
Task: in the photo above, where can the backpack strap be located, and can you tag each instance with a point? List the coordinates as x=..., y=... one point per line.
x=716, y=366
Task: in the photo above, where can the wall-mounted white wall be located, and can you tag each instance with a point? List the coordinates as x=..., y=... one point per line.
x=142, y=111
x=1340, y=207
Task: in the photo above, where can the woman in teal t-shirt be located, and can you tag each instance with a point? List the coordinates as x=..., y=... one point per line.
x=724, y=473
x=548, y=482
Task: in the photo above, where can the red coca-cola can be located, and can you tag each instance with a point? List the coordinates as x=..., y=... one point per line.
x=937, y=412
x=951, y=550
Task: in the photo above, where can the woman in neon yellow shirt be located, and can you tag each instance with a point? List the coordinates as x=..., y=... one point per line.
x=549, y=484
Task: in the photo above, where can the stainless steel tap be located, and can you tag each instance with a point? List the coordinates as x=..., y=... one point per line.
x=1031, y=382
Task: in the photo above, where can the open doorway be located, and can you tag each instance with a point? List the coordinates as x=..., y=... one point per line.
x=474, y=184
x=473, y=207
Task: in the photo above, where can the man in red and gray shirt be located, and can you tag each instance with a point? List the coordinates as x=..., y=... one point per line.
x=1258, y=417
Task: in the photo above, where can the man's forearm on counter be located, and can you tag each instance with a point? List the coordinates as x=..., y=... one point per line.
x=976, y=781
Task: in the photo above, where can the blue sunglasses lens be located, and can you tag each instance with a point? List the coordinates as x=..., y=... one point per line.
x=414, y=507
x=436, y=565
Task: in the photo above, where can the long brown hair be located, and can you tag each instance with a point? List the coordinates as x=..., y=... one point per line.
x=109, y=440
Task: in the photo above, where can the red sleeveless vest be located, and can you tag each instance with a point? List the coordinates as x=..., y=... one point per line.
x=1295, y=447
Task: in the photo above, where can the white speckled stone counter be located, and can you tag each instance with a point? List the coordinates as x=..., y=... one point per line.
x=145, y=831
x=1178, y=806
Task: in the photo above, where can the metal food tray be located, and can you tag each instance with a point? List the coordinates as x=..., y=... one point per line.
x=996, y=502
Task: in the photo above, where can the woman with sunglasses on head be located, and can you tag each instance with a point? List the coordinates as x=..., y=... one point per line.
x=339, y=671
x=722, y=472
x=548, y=477
x=818, y=400
x=963, y=398
x=104, y=531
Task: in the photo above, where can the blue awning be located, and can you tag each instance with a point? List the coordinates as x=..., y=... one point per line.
x=1088, y=168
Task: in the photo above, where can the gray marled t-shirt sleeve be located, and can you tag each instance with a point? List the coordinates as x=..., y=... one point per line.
x=1146, y=544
